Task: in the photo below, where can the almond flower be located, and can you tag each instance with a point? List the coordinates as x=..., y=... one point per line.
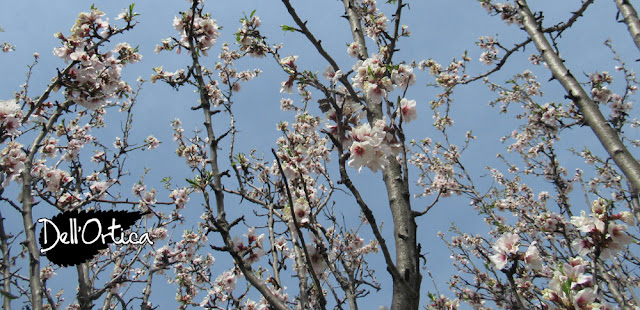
x=408, y=109
x=506, y=246
x=532, y=257
x=369, y=148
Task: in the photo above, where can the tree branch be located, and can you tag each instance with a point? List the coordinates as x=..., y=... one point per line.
x=631, y=19
x=589, y=109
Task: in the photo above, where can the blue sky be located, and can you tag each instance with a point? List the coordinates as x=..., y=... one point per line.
x=441, y=30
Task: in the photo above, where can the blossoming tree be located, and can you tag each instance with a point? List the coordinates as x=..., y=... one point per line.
x=555, y=240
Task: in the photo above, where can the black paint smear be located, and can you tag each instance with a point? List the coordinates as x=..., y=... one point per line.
x=74, y=254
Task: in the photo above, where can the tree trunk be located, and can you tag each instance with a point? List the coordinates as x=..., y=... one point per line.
x=406, y=286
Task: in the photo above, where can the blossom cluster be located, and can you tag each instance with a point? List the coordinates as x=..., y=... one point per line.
x=54, y=179
x=447, y=78
x=252, y=250
x=601, y=94
x=370, y=147
x=289, y=64
x=228, y=75
x=183, y=251
x=507, y=247
x=180, y=197
x=78, y=137
x=7, y=47
x=491, y=52
x=372, y=76
x=604, y=234
x=10, y=117
x=302, y=151
x=249, y=39
x=203, y=28
x=375, y=22
x=13, y=162
x=194, y=154
x=437, y=165
x=507, y=11
x=571, y=288
x=264, y=304
x=94, y=78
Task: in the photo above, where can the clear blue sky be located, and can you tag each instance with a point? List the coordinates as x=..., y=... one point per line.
x=441, y=30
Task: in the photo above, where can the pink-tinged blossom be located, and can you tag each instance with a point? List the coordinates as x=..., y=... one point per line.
x=10, y=117
x=627, y=217
x=159, y=233
x=408, y=109
x=7, y=47
x=13, y=159
x=94, y=79
x=574, y=270
x=587, y=224
x=287, y=86
x=253, y=239
x=582, y=246
x=180, y=197
x=618, y=234
x=205, y=30
x=565, y=283
x=73, y=150
x=239, y=245
x=302, y=211
x=375, y=92
x=491, y=52
x=250, y=305
x=532, y=257
x=535, y=59
x=403, y=77
x=148, y=198
x=118, y=144
x=376, y=24
x=352, y=50
x=98, y=189
x=67, y=200
x=405, y=31
x=499, y=260
x=584, y=298
x=137, y=189
x=286, y=104
x=509, y=243
x=505, y=247
x=227, y=281
x=317, y=261
x=191, y=154
x=46, y=273
x=332, y=75
x=49, y=147
x=369, y=148
x=55, y=179
x=289, y=62
x=488, y=57
x=152, y=142
x=371, y=76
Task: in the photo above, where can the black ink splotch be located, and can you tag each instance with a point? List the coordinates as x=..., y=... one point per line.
x=74, y=254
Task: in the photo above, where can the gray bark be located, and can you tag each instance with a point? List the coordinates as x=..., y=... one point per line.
x=631, y=19
x=33, y=253
x=31, y=243
x=406, y=284
x=84, y=287
x=6, y=272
